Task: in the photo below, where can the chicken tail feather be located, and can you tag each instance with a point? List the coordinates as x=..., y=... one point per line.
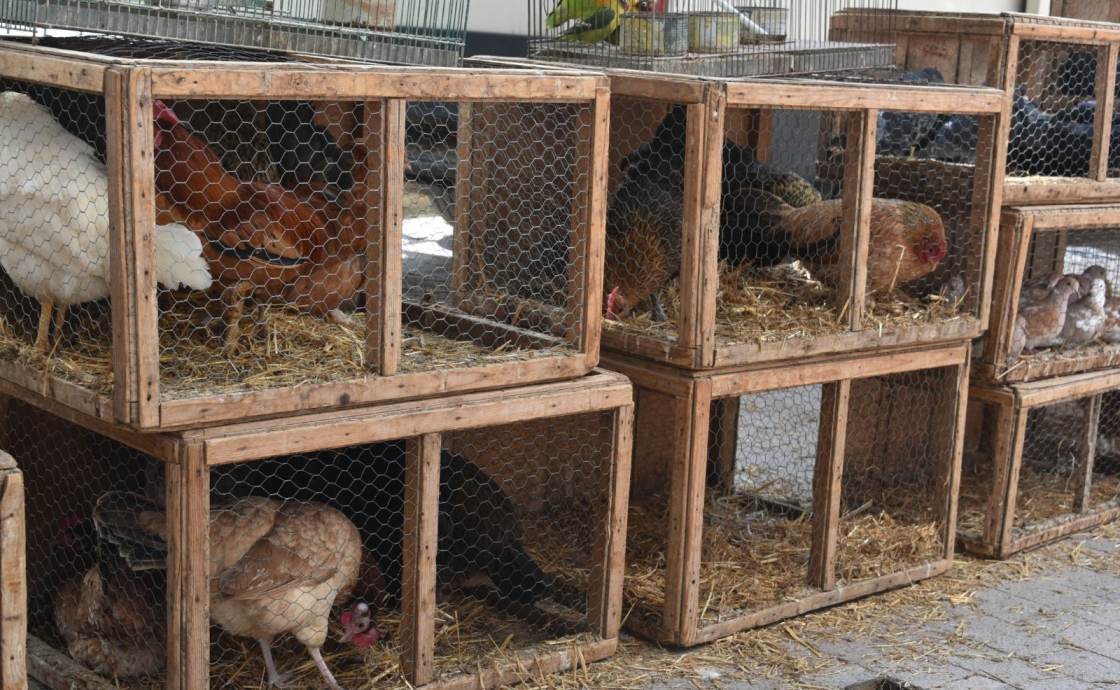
x=136, y=526
x=179, y=259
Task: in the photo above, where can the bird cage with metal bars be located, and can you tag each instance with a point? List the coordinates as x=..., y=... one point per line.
x=429, y=32
x=718, y=38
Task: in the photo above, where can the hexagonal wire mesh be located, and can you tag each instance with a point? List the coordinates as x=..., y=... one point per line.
x=1052, y=483
x=297, y=541
x=262, y=209
x=709, y=37
x=765, y=450
x=1053, y=112
x=785, y=217
x=1070, y=271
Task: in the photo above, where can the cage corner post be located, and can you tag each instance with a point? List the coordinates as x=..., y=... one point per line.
x=420, y=542
x=828, y=473
x=1107, y=55
x=385, y=147
x=13, y=577
x=131, y=206
x=604, y=606
x=188, y=574
x=949, y=481
x=859, y=188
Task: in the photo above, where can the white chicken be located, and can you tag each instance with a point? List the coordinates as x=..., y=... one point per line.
x=54, y=217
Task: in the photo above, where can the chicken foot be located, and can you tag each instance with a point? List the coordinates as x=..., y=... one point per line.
x=234, y=298
x=328, y=677
x=658, y=312
x=275, y=678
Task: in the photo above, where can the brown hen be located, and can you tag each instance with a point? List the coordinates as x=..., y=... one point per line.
x=275, y=567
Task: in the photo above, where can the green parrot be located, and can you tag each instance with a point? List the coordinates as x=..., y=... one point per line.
x=597, y=19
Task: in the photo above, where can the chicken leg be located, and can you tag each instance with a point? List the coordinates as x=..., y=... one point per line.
x=42, y=337
x=328, y=677
x=275, y=678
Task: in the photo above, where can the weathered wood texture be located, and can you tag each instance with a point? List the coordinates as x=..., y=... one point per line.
x=1021, y=55
x=537, y=213
x=1009, y=432
x=744, y=111
x=872, y=417
x=1032, y=244
x=502, y=433
x=13, y=577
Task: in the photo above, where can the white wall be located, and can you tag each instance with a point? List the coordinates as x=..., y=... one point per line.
x=511, y=16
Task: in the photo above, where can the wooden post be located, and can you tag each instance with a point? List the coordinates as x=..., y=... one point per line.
x=686, y=514
x=724, y=432
x=589, y=219
x=1106, y=103
x=132, y=218
x=1086, y=453
x=1006, y=461
x=384, y=128
x=859, y=185
x=827, y=484
x=949, y=466
x=471, y=176
x=604, y=600
x=421, y=541
x=188, y=575
x=991, y=154
x=13, y=577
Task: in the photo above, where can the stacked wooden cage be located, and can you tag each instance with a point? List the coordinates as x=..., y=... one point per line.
x=505, y=293
x=837, y=351
x=1048, y=358
x=364, y=293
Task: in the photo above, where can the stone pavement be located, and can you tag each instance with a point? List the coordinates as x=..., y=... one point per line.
x=1057, y=630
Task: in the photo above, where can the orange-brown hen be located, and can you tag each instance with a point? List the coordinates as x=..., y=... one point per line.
x=905, y=243
x=276, y=567
x=260, y=239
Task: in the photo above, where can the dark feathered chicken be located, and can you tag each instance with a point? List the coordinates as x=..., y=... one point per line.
x=904, y=133
x=305, y=153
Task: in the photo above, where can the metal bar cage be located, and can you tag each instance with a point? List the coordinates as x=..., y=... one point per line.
x=485, y=550
x=708, y=37
x=429, y=32
x=761, y=495
x=1042, y=461
x=414, y=233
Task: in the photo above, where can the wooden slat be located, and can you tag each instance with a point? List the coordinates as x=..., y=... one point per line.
x=713, y=109
x=1106, y=105
x=525, y=666
x=692, y=257
x=13, y=577
x=823, y=95
x=1060, y=527
x=859, y=187
x=724, y=430
x=64, y=72
x=1071, y=217
x=949, y=464
x=421, y=541
x=1056, y=190
x=1014, y=245
x=383, y=250
x=69, y=394
x=406, y=83
x=827, y=474
x=987, y=200
x=588, y=229
x=1007, y=458
x=1082, y=474
x=472, y=187
x=58, y=671
x=604, y=599
x=188, y=581
x=1064, y=33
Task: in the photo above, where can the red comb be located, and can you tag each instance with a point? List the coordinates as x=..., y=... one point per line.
x=611, y=314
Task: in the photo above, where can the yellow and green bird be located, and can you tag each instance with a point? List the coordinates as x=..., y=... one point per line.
x=597, y=19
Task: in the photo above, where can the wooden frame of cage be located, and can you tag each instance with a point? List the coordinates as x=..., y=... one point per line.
x=13, y=577
x=188, y=456
x=129, y=86
x=675, y=425
x=1006, y=435
x=709, y=102
x=1018, y=228
x=1093, y=10
x=985, y=49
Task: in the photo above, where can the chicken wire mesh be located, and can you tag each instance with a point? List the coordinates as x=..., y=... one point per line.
x=766, y=455
x=786, y=220
x=1066, y=314
x=429, y=32
x=261, y=253
x=306, y=553
x=708, y=37
x=1069, y=466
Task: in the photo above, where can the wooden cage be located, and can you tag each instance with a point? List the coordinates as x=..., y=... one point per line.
x=543, y=451
x=13, y=577
x=1040, y=462
x=1036, y=245
x=1093, y=10
x=734, y=304
x=497, y=281
x=760, y=495
x=1059, y=137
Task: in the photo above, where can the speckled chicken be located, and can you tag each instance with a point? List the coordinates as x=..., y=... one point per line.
x=1085, y=316
x=1038, y=289
x=1089, y=276
x=1110, y=328
x=276, y=567
x=1040, y=324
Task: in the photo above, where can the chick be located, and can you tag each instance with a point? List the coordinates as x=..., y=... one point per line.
x=1040, y=324
x=1085, y=316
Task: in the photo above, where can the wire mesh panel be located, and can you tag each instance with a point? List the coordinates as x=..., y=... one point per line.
x=839, y=228
x=1054, y=313
x=285, y=241
x=709, y=38
x=1040, y=472
x=475, y=557
x=814, y=494
x=421, y=33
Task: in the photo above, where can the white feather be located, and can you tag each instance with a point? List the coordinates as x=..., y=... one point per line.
x=54, y=213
